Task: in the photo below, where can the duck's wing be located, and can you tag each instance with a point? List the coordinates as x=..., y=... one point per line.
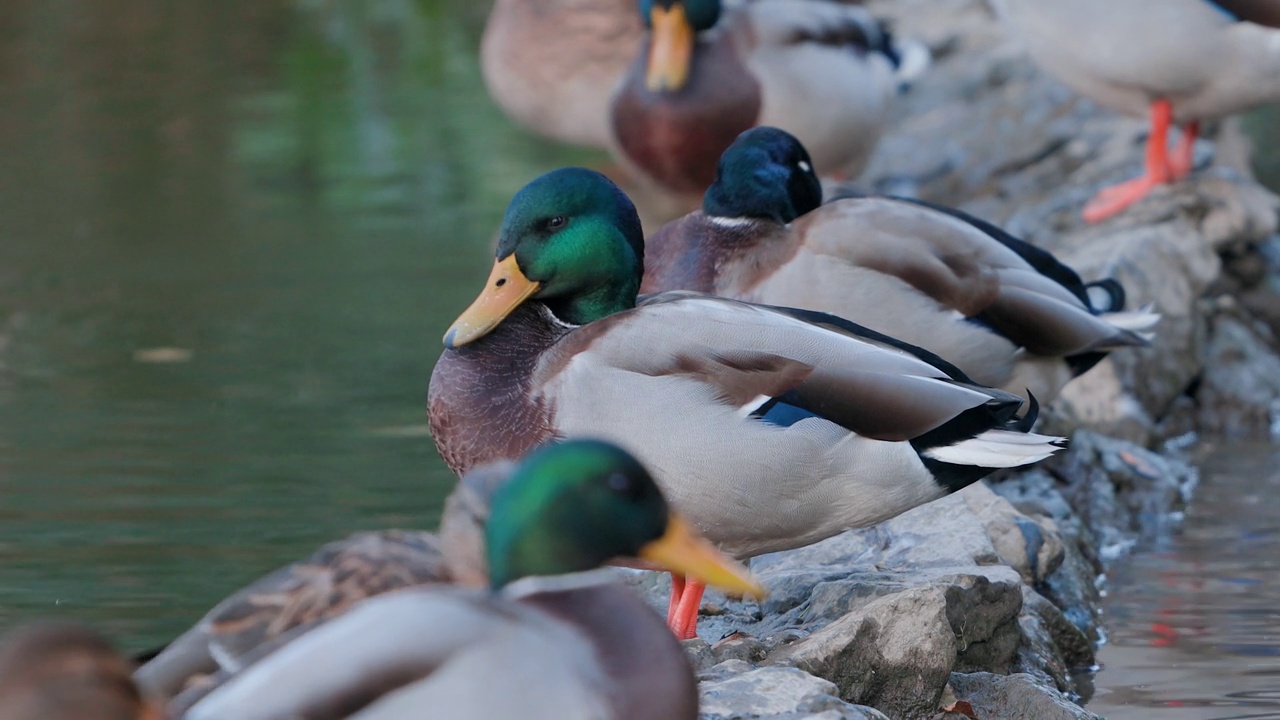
x=745, y=357
x=299, y=595
x=974, y=268
x=421, y=653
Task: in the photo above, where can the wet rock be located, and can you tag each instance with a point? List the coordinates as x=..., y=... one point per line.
x=1124, y=493
x=775, y=693
x=1014, y=696
x=1239, y=394
x=1053, y=648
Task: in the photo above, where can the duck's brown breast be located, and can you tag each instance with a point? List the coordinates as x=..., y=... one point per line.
x=480, y=405
x=677, y=138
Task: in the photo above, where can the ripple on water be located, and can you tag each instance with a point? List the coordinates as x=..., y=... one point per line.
x=1195, y=627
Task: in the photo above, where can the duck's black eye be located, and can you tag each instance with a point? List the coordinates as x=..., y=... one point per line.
x=621, y=484
x=555, y=222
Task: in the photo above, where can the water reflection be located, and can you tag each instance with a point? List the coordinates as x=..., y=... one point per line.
x=230, y=236
x=1195, y=629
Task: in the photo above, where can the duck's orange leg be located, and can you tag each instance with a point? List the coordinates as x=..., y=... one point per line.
x=1112, y=200
x=685, y=624
x=1183, y=156
x=677, y=589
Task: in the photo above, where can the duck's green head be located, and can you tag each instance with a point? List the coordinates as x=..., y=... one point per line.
x=765, y=173
x=572, y=240
x=572, y=506
x=673, y=29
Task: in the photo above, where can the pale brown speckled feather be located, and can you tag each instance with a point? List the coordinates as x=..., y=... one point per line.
x=323, y=585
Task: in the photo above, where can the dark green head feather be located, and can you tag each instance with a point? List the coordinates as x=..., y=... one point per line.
x=578, y=235
x=765, y=173
x=570, y=507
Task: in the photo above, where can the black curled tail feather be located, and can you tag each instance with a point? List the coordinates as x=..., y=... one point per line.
x=1028, y=419
x=1113, y=291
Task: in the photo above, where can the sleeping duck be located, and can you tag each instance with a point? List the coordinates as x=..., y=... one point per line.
x=1005, y=312
x=825, y=71
x=1181, y=61
x=771, y=428
x=552, y=65
x=577, y=646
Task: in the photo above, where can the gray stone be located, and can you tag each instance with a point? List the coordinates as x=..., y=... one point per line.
x=739, y=646
x=776, y=693
x=1014, y=696
x=1052, y=647
x=895, y=654
x=699, y=653
x=1239, y=393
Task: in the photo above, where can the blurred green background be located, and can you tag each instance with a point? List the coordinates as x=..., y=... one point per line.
x=231, y=236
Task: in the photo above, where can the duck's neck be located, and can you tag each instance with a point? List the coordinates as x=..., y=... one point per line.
x=698, y=252
x=593, y=305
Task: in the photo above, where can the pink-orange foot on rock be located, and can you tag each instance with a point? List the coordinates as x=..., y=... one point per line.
x=685, y=625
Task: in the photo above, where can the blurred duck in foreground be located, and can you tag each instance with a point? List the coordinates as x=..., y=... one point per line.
x=552, y=65
x=825, y=71
x=771, y=428
x=572, y=646
x=1005, y=312
x=61, y=671
x=1182, y=61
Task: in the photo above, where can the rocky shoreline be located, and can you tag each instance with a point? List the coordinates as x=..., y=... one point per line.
x=986, y=604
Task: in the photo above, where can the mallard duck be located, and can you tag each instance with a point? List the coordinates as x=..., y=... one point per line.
x=1005, y=312
x=772, y=428
x=580, y=646
x=552, y=65
x=1181, y=61
x=822, y=70
x=64, y=671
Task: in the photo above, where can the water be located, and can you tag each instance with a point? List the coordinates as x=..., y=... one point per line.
x=231, y=236
x=1195, y=627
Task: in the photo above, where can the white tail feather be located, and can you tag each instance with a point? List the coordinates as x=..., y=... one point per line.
x=997, y=449
x=1138, y=321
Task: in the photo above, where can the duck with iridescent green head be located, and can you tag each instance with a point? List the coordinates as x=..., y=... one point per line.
x=566, y=644
x=771, y=428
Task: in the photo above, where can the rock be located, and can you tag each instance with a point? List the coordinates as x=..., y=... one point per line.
x=1239, y=394
x=1123, y=492
x=1052, y=647
x=1014, y=696
x=699, y=653
x=739, y=646
x=775, y=693
x=895, y=654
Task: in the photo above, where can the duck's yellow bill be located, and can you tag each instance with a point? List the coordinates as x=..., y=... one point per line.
x=681, y=549
x=503, y=292
x=670, y=49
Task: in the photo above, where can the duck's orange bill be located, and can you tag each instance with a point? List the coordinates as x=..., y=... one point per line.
x=682, y=550
x=670, y=49
x=505, y=289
